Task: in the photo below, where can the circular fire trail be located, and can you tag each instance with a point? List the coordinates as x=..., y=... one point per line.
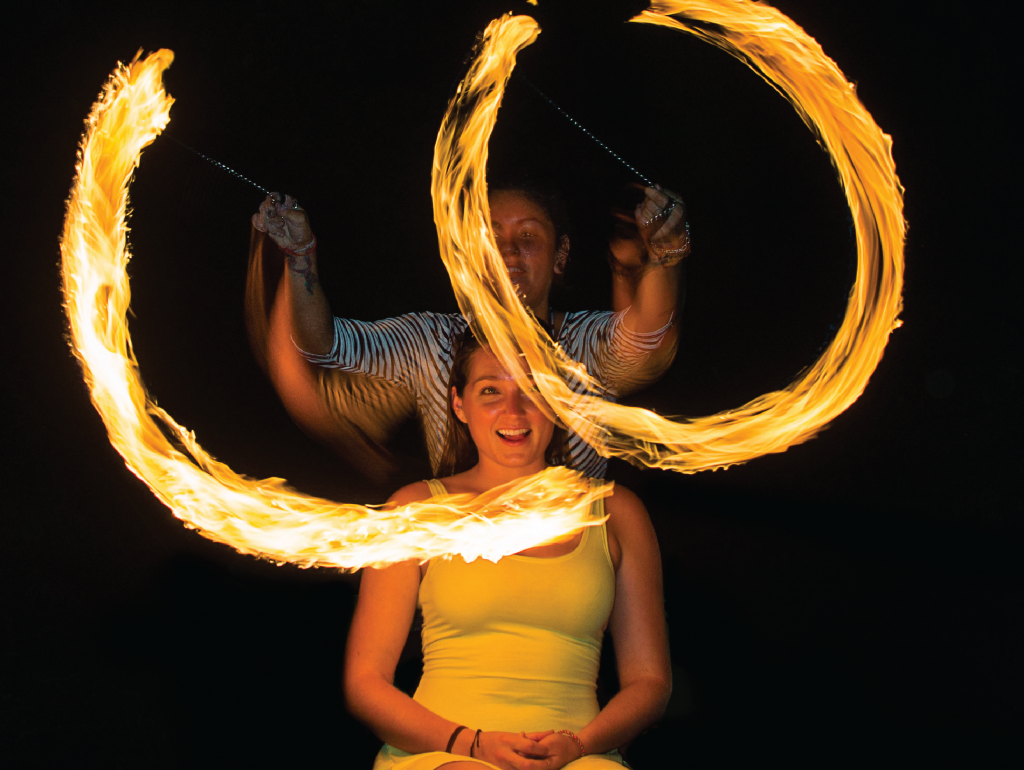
x=266, y=518
x=794, y=64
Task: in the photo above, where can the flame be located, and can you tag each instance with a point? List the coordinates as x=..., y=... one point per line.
x=266, y=518
x=261, y=517
x=794, y=64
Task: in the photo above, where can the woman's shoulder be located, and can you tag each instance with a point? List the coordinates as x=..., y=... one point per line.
x=622, y=497
x=411, y=493
x=627, y=516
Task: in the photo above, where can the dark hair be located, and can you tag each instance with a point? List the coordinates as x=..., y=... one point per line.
x=541, y=193
x=459, y=452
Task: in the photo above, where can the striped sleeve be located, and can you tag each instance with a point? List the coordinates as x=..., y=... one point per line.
x=613, y=353
x=409, y=350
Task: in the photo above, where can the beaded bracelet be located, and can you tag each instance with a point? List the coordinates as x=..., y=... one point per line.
x=665, y=259
x=302, y=251
x=575, y=737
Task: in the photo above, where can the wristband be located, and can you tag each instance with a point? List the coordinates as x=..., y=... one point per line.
x=669, y=257
x=303, y=250
x=576, y=738
x=451, y=741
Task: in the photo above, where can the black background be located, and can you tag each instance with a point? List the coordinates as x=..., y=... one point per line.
x=854, y=599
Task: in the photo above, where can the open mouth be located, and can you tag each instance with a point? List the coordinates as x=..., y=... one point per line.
x=514, y=435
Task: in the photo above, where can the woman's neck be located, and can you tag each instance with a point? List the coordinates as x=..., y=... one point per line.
x=543, y=311
x=487, y=475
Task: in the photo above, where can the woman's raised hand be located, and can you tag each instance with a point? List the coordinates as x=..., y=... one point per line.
x=281, y=217
x=661, y=219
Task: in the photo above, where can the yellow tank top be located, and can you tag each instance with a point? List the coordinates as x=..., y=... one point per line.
x=516, y=645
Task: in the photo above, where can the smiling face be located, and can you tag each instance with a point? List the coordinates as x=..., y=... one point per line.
x=508, y=429
x=529, y=246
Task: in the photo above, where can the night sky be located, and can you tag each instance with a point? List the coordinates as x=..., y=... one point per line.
x=854, y=599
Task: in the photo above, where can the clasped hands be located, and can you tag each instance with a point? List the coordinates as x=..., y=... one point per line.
x=524, y=751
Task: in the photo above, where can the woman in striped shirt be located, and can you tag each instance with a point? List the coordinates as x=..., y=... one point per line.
x=623, y=350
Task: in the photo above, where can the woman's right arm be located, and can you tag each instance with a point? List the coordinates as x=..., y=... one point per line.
x=399, y=350
x=380, y=627
x=387, y=600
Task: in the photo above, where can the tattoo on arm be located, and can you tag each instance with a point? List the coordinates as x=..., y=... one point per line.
x=304, y=266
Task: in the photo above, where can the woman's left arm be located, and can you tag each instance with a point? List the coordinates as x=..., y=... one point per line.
x=653, y=288
x=637, y=626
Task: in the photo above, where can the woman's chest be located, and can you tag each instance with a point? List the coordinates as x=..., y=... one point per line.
x=570, y=594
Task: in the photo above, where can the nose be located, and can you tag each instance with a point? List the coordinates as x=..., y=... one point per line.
x=507, y=248
x=516, y=401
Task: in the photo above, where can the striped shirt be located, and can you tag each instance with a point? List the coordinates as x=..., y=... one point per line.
x=416, y=351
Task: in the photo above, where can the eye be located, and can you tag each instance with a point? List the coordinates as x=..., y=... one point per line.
x=489, y=390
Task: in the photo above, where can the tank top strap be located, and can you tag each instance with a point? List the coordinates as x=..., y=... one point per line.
x=597, y=511
x=436, y=487
x=597, y=507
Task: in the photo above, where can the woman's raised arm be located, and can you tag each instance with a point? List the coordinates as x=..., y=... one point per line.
x=287, y=224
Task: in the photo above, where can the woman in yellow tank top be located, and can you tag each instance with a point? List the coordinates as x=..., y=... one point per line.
x=511, y=650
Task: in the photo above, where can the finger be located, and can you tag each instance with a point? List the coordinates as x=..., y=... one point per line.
x=257, y=222
x=277, y=203
x=529, y=748
x=656, y=196
x=650, y=216
x=673, y=225
x=646, y=214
